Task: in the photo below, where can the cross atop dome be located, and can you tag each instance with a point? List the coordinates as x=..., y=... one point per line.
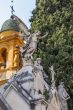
x=12, y=7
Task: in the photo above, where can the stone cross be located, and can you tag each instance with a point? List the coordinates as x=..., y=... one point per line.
x=12, y=8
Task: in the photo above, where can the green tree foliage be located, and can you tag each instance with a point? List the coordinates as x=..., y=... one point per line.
x=56, y=18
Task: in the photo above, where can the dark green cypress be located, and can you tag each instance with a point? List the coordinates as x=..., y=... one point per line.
x=56, y=18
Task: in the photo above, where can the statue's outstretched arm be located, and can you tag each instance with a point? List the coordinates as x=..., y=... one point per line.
x=43, y=36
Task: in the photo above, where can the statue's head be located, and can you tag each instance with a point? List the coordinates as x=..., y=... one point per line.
x=38, y=60
x=61, y=83
x=37, y=34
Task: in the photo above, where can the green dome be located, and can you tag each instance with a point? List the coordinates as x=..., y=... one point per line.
x=10, y=24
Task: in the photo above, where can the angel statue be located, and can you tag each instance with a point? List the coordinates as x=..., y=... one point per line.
x=31, y=44
x=29, y=39
x=63, y=96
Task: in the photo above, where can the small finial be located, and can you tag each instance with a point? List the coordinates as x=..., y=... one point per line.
x=12, y=7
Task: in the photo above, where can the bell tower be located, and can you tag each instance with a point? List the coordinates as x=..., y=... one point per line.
x=10, y=44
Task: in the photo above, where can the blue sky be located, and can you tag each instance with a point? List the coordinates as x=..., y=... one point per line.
x=23, y=9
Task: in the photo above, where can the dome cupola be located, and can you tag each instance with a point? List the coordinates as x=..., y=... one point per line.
x=10, y=24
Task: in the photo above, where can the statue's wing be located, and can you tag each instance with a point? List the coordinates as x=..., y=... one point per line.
x=23, y=28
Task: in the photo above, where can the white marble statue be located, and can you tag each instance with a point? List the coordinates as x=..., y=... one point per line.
x=31, y=43
x=39, y=83
x=63, y=96
x=38, y=76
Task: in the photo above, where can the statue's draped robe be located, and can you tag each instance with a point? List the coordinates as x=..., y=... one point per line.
x=54, y=103
x=63, y=96
x=38, y=79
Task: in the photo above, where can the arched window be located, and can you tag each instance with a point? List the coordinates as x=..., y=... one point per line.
x=3, y=57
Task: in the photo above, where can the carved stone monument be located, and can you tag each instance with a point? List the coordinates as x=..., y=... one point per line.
x=54, y=102
x=25, y=90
